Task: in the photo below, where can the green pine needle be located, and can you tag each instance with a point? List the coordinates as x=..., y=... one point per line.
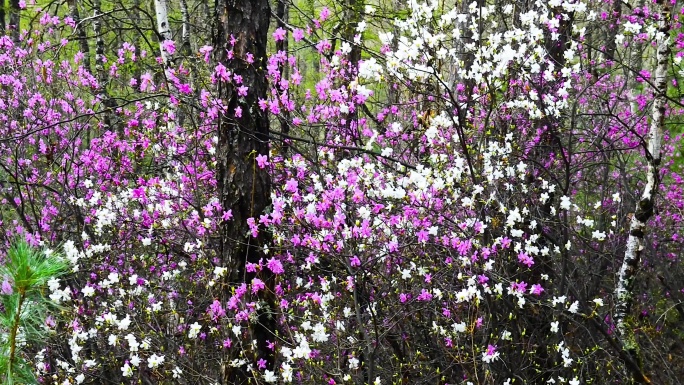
x=27, y=270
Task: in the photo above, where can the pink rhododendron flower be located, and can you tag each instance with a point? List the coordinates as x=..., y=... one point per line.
x=262, y=160
x=279, y=34
x=325, y=13
x=169, y=46
x=298, y=34
x=275, y=266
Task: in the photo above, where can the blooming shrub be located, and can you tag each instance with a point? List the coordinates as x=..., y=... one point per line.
x=453, y=207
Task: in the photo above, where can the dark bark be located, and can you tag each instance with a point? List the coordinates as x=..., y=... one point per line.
x=353, y=16
x=611, y=45
x=14, y=20
x=80, y=31
x=102, y=77
x=2, y=17
x=244, y=188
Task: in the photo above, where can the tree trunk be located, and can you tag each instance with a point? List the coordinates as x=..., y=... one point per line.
x=2, y=17
x=100, y=71
x=613, y=28
x=165, y=35
x=15, y=20
x=353, y=17
x=644, y=209
x=244, y=188
x=163, y=28
x=80, y=31
x=186, y=48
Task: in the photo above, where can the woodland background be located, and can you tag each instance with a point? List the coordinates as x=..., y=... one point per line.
x=345, y=192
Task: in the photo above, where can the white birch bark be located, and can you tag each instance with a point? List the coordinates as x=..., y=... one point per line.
x=185, y=35
x=163, y=27
x=99, y=42
x=164, y=30
x=644, y=208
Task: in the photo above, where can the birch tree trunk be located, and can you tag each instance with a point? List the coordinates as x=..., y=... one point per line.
x=165, y=34
x=163, y=29
x=186, y=47
x=99, y=43
x=80, y=31
x=644, y=209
